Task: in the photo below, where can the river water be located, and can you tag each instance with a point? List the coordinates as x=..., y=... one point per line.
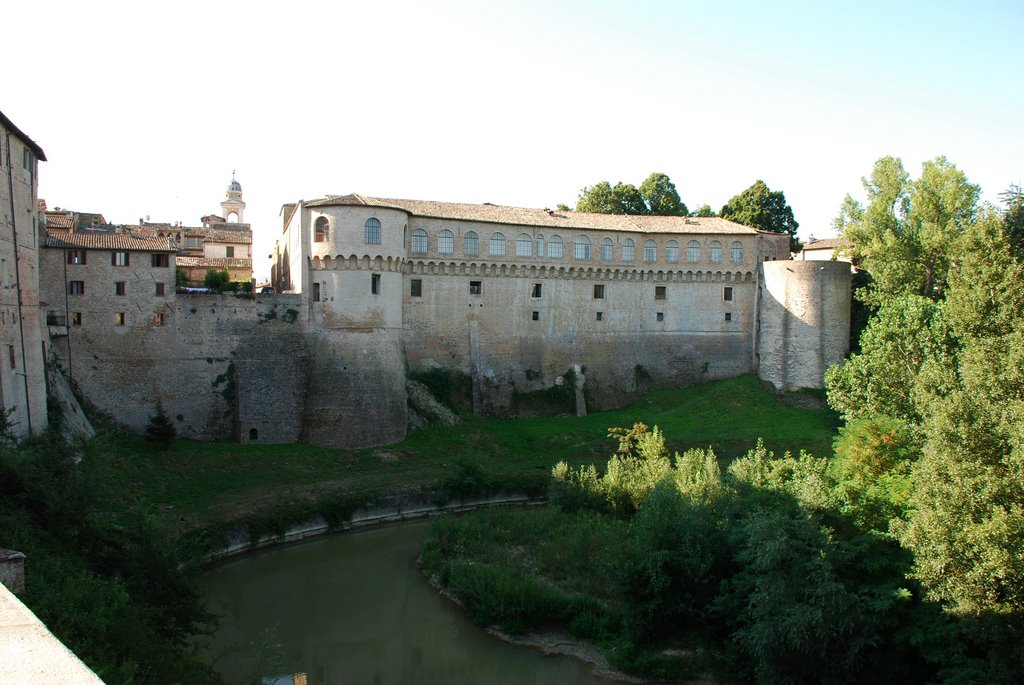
x=353, y=609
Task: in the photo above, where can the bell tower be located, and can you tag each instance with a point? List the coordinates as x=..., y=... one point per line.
x=233, y=206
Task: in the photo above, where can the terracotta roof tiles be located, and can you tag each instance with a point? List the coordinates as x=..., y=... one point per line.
x=108, y=241
x=235, y=263
x=499, y=214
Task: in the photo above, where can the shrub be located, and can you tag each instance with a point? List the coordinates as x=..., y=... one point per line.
x=160, y=432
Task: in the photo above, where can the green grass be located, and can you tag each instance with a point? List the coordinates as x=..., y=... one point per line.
x=196, y=484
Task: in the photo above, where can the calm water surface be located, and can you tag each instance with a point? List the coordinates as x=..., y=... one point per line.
x=353, y=609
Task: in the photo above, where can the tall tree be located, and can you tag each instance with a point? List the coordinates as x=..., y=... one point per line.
x=761, y=207
x=661, y=197
x=904, y=233
x=946, y=355
x=657, y=195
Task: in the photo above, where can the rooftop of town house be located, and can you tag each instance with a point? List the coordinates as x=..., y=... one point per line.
x=826, y=243
x=229, y=262
x=102, y=240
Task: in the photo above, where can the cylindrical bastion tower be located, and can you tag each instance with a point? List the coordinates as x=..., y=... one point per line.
x=804, y=321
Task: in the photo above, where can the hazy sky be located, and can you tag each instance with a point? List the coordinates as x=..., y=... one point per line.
x=145, y=109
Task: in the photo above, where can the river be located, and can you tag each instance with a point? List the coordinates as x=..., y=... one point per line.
x=351, y=609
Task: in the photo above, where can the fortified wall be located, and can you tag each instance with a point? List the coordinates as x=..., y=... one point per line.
x=378, y=289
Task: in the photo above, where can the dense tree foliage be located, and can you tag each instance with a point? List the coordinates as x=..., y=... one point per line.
x=656, y=195
x=945, y=357
x=112, y=588
x=906, y=233
x=761, y=207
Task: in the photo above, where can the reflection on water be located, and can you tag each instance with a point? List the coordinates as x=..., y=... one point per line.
x=352, y=608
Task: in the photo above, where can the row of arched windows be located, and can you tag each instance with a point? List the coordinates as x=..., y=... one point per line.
x=528, y=246
x=322, y=230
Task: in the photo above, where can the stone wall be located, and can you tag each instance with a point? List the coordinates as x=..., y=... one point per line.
x=22, y=336
x=805, y=321
x=522, y=328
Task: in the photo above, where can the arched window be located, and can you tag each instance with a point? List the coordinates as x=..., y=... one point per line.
x=672, y=252
x=254, y=434
x=715, y=252
x=555, y=247
x=471, y=244
x=446, y=242
x=650, y=251
x=736, y=252
x=321, y=229
x=524, y=245
x=540, y=245
x=372, y=231
x=693, y=251
x=628, y=250
x=497, y=245
x=581, y=247
x=419, y=241
x=606, y=249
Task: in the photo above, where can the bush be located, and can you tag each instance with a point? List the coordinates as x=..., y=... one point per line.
x=217, y=280
x=160, y=432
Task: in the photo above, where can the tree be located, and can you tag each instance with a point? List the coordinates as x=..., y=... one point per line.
x=760, y=207
x=657, y=195
x=904, y=235
x=160, y=431
x=661, y=197
x=704, y=211
x=217, y=279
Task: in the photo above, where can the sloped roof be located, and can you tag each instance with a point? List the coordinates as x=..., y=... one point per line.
x=33, y=145
x=231, y=262
x=523, y=216
x=108, y=241
x=826, y=244
x=60, y=220
x=221, y=235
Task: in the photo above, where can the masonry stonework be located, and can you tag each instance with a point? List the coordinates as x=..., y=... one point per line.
x=512, y=298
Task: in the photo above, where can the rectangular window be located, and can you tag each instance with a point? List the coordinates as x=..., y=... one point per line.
x=160, y=319
x=191, y=242
x=476, y=287
x=416, y=287
x=600, y=316
x=76, y=256
x=161, y=260
x=316, y=292
x=26, y=159
x=728, y=316
x=120, y=287
x=230, y=251
x=661, y=316
x=76, y=287
x=160, y=289
x=536, y=316
x=76, y=318
x=119, y=318
x=728, y=294
x=375, y=284
x=599, y=292
x=538, y=288
x=119, y=259
x=659, y=292
x=10, y=353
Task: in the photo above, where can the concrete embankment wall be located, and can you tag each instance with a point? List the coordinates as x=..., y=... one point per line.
x=391, y=510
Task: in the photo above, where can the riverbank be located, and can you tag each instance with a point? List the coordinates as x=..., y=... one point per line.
x=113, y=538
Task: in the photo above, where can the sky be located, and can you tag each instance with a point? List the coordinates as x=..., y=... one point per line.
x=146, y=109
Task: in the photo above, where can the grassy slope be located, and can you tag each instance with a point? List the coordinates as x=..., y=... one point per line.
x=204, y=483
